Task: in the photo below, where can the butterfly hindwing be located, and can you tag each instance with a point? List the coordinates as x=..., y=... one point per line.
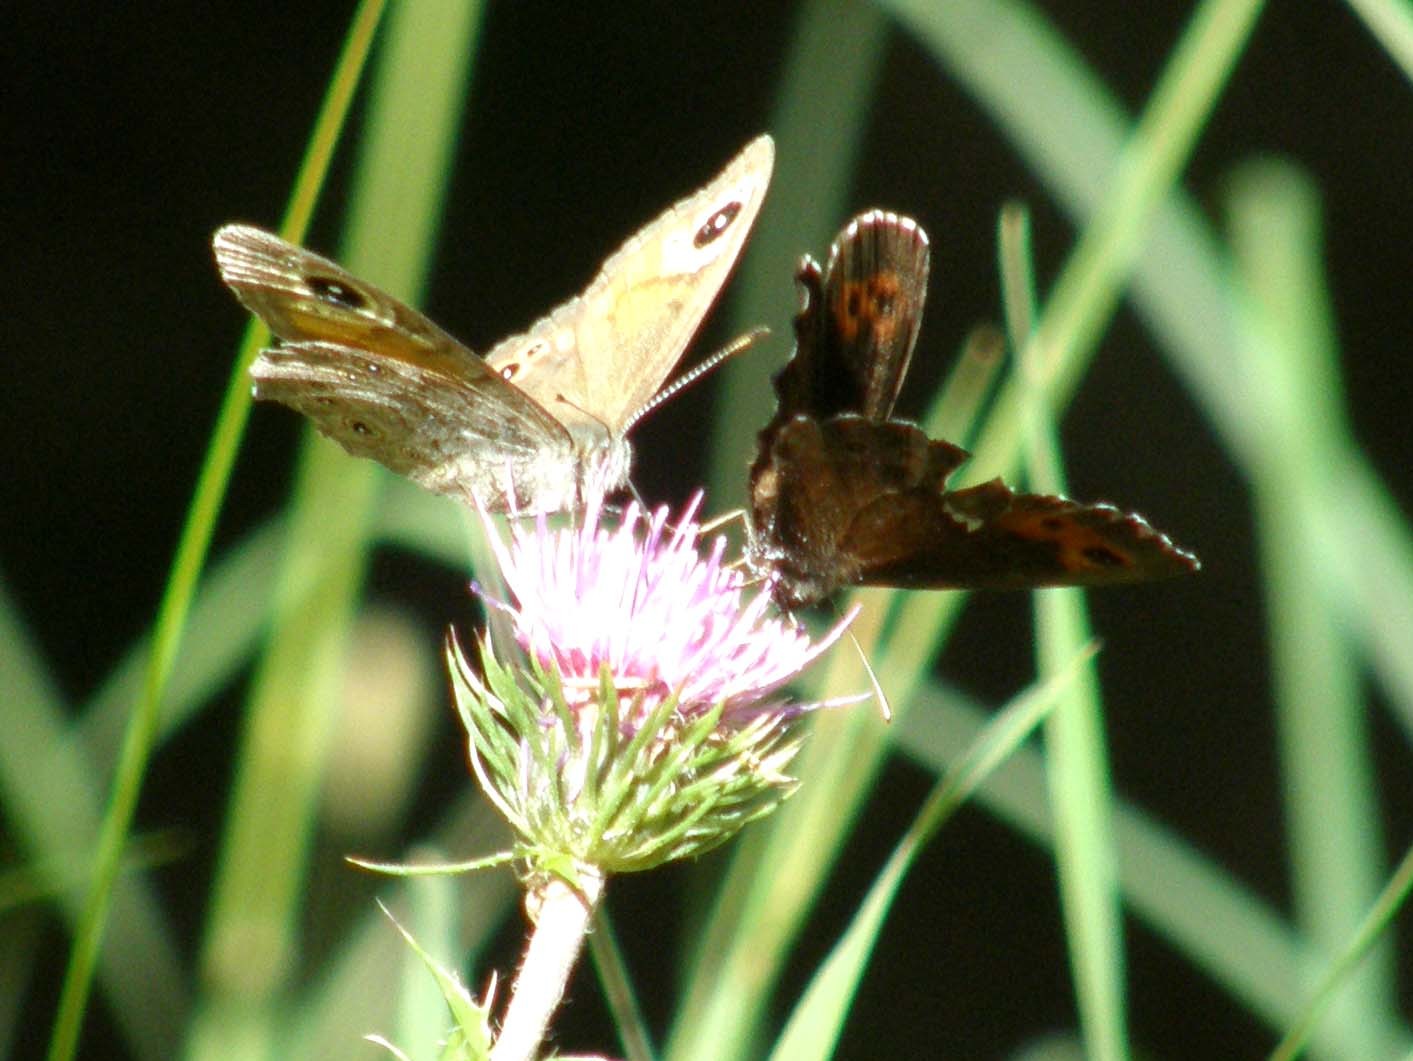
x=381, y=379
x=989, y=537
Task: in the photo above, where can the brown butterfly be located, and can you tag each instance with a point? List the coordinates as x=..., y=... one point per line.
x=541, y=420
x=844, y=495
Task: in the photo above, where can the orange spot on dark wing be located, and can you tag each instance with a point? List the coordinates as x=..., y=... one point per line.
x=883, y=291
x=848, y=312
x=1078, y=547
x=870, y=304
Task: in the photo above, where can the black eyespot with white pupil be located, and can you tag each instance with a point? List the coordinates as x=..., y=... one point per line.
x=327, y=289
x=717, y=224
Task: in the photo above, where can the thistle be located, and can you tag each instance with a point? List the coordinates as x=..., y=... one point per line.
x=648, y=720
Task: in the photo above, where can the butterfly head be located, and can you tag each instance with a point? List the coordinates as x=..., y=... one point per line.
x=603, y=465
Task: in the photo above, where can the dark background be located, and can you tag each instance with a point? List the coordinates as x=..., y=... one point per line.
x=130, y=135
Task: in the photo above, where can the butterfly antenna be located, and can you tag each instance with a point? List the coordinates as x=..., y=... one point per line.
x=884, y=707
x=696, y=372
x=587, y=412
x=722, y=520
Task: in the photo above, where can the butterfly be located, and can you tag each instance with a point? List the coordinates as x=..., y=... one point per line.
x=540, y=421
x=842, y=494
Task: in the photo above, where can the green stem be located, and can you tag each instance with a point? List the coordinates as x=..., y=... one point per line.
x=561, y=923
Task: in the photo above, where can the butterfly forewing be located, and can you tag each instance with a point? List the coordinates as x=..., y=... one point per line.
x=859, y=320
x=301, y=295
x=602, y=356
x=875, y=288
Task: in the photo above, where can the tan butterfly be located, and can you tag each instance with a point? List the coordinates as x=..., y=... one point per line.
x=540, y=422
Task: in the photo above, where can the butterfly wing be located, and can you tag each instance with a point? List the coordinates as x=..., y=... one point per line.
x=864, y=503
x=860, y=315
x=842, y=495
x=600, y=357
x=821, y=475
x=854, y=337
x=989, y=537
x=386, y=383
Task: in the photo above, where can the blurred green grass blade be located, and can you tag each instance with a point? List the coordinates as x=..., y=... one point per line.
x=818, y=124
x=812, y=1030
x=52, y=807
x=1375, y=926
x=1081, y=794
x=1225, y=930
x=350, y=992
x=29, y=883
x=181, y=586
x=1142, y=176
x=612, y=967
x=1368, y=548
x=1077, y=760
x=228, y=613
x=1016, y=260
x=422, y=1016
x=1391, y=23
x=1332, y=811
x=1070, y=129
x=957, y=407
x=251, y=947
x=232, y=607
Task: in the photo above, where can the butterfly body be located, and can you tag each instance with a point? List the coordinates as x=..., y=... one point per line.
x=843, y=494
x=540, y=422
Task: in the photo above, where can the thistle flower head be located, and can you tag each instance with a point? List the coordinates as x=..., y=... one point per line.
x=650, y=720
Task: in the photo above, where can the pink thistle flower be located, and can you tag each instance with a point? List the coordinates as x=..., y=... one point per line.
x=641, y=600
x=652, y=721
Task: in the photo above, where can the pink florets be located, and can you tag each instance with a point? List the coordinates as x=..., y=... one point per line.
x=664, y=617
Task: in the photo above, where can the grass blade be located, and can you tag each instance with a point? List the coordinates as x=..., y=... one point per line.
x=251, y=941
x=1332, y=810
x=814, y=1027
x=1076, y=756
x=181, y=587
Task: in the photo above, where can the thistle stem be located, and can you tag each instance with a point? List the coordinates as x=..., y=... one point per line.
x=562, y=922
